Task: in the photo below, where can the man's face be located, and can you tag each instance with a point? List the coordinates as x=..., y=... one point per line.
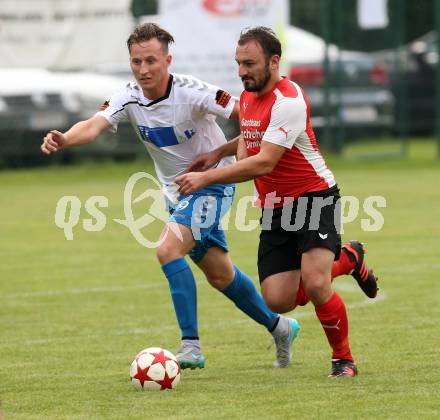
x=149, y=63
x=253, y=67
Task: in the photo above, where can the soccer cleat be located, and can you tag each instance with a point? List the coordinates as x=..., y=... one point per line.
x=283, y=335
x=343, y=369
x=364, y=276
x=189, y=355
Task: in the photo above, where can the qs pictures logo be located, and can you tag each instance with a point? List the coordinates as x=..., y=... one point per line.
x=143, y=204
x=68, y=209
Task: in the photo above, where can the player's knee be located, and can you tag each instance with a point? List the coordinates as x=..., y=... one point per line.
x=281, y=307
x=316, y=284
x=279, y=303
x=219, y=282
x=166, y=253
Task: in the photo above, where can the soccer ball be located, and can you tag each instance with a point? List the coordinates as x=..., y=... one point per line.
x=155, y=368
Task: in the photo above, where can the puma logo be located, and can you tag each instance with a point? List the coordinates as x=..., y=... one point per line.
x=336, y=326
x=286, y=132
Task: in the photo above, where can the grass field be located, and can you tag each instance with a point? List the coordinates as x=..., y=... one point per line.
x=74, y=313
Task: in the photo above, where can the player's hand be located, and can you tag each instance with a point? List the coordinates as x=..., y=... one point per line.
x=191, y=182
x=53, y=141
x=203, y=162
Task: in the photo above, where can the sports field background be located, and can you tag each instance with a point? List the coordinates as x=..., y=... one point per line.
x=74, y=313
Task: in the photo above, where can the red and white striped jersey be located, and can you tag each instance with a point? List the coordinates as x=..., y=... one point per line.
x=282, y=116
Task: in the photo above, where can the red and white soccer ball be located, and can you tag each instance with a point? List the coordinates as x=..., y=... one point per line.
x=155, y=368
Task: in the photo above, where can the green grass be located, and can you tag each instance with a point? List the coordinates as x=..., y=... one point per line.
x=74, y=313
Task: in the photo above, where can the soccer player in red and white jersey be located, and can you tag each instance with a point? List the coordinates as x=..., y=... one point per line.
x=298, y=193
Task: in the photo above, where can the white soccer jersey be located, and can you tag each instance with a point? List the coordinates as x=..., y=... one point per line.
x=178, y=126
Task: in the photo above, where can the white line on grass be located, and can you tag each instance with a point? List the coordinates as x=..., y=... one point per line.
x=342, y=286
x=217, y=325
x=86, y=290
x=355, y=305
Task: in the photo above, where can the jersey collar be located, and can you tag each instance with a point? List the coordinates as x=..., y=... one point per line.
x=140, y=96
x=167, y=92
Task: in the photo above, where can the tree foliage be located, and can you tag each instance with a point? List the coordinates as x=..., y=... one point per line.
x=408, y=19
x=143, y=7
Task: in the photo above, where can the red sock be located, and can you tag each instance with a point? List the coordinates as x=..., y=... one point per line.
x=333, y=317
x=301, y=296
x=343, y=266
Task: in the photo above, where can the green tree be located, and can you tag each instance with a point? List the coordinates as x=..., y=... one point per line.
x=409, y=19
x=143, y=7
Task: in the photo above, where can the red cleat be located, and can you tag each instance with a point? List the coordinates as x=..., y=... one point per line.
x=343, y=369
x=364, y=276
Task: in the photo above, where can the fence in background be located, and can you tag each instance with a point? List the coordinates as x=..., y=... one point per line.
x=361, y=83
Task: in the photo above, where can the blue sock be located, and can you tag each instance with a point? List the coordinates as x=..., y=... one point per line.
x=184, y=294
x=245, y=296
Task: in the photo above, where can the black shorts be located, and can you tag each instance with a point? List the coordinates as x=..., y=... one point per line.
x=310, y=222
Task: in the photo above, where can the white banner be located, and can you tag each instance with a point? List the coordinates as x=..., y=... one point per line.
x=64, y=34
x=206, y=34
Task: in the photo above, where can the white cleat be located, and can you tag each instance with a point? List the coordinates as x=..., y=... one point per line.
x=283, y=335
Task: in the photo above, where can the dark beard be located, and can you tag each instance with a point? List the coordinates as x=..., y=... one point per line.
x=258, y=86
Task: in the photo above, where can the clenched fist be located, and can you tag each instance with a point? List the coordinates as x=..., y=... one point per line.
x=53, y=141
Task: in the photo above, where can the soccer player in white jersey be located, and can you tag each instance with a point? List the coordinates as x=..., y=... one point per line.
x=174, y=117
x=298, y=194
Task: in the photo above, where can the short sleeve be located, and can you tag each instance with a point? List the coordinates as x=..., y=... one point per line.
x=113, y=110
x=288, y=120
x=207, y=98
x=219, y=102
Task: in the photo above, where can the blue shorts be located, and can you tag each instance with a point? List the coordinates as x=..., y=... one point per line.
x=202, y=212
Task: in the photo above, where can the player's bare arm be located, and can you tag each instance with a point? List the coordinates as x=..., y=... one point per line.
x=244, y=170
x=241, y=149
x=83, y=132
x=205, y=161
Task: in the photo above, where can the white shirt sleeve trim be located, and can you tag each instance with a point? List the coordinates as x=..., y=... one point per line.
x=288, y=120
